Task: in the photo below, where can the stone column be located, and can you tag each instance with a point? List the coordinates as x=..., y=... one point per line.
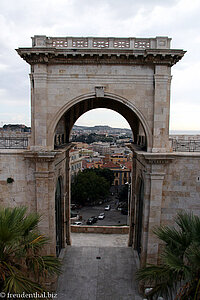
x=39, y=106
x=162, y=81
x=156, y=184
x=45, y=194
x=154, y=175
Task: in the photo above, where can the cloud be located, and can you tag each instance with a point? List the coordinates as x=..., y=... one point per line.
x=185, y=117
x=178, y=19
x=100, y=116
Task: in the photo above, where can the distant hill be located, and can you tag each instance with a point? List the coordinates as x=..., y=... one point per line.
x=16, y=127
x=100, y=128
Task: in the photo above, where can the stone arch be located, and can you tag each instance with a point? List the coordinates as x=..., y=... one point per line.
x=75, y=108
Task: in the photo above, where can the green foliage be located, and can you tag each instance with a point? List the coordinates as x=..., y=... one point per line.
x=178, y=275
x=105, y=173
x=22, y=267
x=88, y=187
x=91, y=138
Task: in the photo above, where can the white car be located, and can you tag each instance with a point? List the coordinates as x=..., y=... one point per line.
x=78, y=223
x=101, y=216
x=107, y=207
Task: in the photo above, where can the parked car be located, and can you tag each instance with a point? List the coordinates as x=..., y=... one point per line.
x=107, y=207
x=101, y=216
x=94, y=219
x=90, y=221
x=77, y=223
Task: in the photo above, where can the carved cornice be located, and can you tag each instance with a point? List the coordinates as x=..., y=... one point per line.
x=44, y=174
x=158, y=158
x=100, y=56
x=41, y=156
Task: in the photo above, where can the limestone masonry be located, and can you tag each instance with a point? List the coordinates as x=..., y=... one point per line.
x=70, y=76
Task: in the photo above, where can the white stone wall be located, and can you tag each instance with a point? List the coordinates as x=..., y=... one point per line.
x=22, y=190
x=56, y=86
x=171, y=185
x=181, y=187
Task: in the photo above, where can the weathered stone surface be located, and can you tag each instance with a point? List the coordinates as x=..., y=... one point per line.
x=70, y=76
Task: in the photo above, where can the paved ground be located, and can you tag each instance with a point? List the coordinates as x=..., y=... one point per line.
x=112, y=217
x=98, y=267
x=99, y=240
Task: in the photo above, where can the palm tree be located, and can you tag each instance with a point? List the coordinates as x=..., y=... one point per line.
x=22, y=267
x=178, y=275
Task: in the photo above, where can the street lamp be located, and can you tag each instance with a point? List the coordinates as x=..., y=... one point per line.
x=129, y=189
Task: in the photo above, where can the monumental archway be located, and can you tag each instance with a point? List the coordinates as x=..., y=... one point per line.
x=70, y=76
x=68, y=114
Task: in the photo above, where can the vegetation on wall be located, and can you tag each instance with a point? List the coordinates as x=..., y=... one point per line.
x=178, y=274
x=22, y=266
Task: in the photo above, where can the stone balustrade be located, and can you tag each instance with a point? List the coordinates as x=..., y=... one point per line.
x=101, y=43
x=7, y=142
x=184, y=145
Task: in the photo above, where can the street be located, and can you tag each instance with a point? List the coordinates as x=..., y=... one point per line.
x=112, y=216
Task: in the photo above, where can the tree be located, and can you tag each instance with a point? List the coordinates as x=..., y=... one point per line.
x=106, y=173
x=178, y=274
x=88, y=187
x=22, y=267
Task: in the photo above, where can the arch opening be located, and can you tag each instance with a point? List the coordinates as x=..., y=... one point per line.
x=63, y=128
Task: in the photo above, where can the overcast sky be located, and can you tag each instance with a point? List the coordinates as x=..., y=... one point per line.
x=178, y=19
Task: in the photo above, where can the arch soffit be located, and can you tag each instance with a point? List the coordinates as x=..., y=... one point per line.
x=83, y=97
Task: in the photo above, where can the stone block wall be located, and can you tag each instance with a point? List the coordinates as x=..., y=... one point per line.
x=171, y=184
x=21, y=192
x=181, y=187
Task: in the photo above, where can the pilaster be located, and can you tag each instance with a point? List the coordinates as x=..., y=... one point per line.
x=154, y=176
x=39, y=109
x=156, y=184
x=45, y=194
x=161, y=107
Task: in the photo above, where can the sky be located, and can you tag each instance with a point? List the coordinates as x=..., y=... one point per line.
x=178, y=19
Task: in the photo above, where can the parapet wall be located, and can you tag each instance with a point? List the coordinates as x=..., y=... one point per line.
x=100, y=229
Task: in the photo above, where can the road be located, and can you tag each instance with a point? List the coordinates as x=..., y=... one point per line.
x=112, y=216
